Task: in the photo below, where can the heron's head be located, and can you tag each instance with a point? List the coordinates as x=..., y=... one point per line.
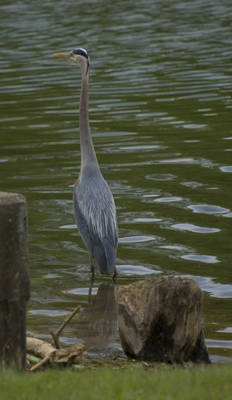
x=77, y=56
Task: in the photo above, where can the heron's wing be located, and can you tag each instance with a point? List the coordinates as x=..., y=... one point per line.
x=96, y=220
x=93, y=244
x=96, y=205
x=110, y=253
x=81, y=223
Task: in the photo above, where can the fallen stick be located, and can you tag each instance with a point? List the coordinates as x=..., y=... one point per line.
x=49, y=354
x=40, y=363
x=55, y=334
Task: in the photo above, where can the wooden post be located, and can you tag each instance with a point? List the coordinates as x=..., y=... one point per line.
x=14, y=280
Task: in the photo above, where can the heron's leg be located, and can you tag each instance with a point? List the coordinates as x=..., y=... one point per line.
x=90, y=292
x=92, y=273
x=92, y=277
x=115, y=275
x=92, y=268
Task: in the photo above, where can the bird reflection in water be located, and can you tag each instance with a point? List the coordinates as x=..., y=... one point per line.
x=97, y=324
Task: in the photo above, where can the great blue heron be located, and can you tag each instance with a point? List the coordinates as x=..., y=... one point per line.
x=94, y=207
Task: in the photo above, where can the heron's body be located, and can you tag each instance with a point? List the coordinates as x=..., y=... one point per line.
x=96, y=218
x=94, y=207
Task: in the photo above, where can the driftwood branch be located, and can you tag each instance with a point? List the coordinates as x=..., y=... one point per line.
x=49, y=354
x=39, y=348
x=56, y=334
x=39, y=364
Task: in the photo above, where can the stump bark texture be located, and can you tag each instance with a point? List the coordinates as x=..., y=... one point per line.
x=14, y=279
x=160, y=319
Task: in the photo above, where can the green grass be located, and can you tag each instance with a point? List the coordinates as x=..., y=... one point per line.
x=214, y=382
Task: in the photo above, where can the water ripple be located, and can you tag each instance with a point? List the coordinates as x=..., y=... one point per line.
x=201, y=258
x=208, y=209
x=139, y=270
x=82, y=291
x=136, y=239
x=194, y=228
x=226, y=168
x=215, y=289
x=170, y=199
x=161, y=177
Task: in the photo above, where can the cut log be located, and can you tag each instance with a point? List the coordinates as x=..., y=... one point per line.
x=14, y=279
x=160, y=319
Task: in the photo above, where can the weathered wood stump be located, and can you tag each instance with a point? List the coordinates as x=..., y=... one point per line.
x=160, y=319
x=14, y=279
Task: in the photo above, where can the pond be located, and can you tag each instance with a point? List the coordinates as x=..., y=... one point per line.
x=160, y=113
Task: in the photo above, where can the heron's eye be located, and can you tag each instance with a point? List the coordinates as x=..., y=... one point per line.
x=81, y=52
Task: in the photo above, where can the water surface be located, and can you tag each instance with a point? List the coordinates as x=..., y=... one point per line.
x=160, y=111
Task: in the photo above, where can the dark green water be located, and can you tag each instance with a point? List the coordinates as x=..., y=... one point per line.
x=160, y=110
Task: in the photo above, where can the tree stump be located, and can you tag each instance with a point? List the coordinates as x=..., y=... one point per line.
x=14, y=279
x=160, y=319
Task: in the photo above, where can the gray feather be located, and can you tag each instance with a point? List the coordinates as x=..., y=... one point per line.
x=96, y=217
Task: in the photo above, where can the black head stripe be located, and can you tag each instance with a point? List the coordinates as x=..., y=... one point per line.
x=81, y=52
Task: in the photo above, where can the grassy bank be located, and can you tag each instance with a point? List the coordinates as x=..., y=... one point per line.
x=214, y=382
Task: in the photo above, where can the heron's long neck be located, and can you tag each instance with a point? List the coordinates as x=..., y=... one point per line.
x=87, y=150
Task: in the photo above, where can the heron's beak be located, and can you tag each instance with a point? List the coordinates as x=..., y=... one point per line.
x=61, y=55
